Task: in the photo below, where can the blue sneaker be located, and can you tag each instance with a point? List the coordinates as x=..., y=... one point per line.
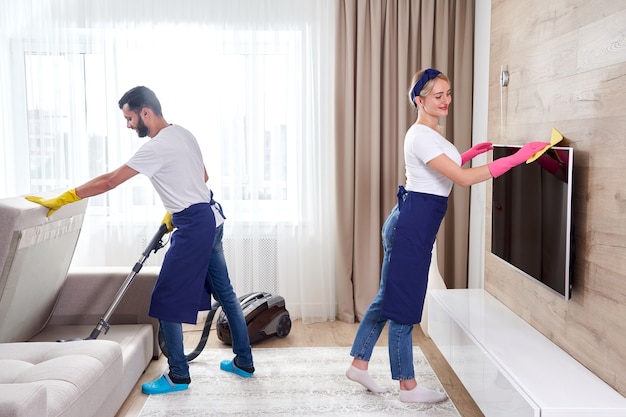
x=229, y=366
x=162, y=385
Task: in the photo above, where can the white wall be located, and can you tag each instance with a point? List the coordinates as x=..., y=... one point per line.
x=476, y=261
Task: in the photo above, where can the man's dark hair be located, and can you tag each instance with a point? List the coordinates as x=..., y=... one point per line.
x=139, y=97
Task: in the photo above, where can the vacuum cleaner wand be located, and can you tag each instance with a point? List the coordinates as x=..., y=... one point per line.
x=155, y=244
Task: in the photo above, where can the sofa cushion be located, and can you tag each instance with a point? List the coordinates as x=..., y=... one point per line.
x=35, y=254
x=136, y=343
x=23, y=400
x=88, y=293
x=77, y=375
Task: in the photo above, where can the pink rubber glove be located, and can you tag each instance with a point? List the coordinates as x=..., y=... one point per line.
x=502, y=165
x=475, y=151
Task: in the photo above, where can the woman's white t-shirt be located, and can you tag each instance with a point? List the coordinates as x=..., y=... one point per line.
x=421, y=145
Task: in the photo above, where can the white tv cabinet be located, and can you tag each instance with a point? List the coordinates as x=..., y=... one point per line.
x=510, y=368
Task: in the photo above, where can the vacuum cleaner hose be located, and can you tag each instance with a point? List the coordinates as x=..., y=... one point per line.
x=203, y=338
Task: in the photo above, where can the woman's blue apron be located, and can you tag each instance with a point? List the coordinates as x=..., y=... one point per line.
x=407, y=278
x=179, y=292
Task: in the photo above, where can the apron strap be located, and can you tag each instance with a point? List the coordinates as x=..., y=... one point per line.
x=217, y=205
x=401, y=193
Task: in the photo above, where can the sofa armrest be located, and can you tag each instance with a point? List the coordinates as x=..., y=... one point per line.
x=88, y=293
x=23, y=400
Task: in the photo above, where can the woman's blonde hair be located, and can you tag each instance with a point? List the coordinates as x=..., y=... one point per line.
x=428, y=86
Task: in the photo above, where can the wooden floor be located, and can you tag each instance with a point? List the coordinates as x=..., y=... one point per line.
x=333, y=333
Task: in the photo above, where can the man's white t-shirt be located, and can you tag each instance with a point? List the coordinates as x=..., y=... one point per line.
x=421, y=145
x=172, y=160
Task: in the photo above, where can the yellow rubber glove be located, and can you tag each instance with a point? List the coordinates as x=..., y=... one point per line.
x=167, y=221
x=57, y=202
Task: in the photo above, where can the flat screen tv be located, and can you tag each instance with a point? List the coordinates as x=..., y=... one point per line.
x=531, y=217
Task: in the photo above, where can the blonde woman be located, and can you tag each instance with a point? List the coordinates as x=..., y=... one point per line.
x=433, y=165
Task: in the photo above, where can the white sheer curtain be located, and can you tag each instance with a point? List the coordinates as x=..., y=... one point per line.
x=251, y=79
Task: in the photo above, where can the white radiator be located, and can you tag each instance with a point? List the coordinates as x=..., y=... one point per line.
x=252, y=264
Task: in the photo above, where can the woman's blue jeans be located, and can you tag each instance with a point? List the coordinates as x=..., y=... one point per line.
x=399, y=335
x=219, y=285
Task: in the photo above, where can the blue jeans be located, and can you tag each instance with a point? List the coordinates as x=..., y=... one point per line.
x=399, y=335
x=173, y=337
x=218, y=284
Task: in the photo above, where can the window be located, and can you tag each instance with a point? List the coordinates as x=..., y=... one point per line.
x=240, y=103
x=67, y=136
x=253, y=80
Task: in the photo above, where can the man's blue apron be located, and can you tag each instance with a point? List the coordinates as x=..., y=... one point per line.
x=179, y=292
x=407, y=278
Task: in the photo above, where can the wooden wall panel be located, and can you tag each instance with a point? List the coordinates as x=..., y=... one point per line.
x=567, y=65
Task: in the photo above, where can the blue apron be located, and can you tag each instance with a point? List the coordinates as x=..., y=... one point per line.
x=407, y=278
x=179, y=292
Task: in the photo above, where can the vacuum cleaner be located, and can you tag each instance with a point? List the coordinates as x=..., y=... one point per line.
x=265, y=314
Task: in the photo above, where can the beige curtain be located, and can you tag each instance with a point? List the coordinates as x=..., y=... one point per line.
x=380, y=45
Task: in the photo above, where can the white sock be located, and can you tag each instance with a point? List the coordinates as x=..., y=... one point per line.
x=363, y=377
x=422, y=395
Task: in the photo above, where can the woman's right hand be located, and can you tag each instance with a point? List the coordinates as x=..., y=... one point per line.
x=528, y=150
x=502, y=165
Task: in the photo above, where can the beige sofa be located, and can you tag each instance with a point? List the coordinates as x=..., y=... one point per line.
x=42, y=302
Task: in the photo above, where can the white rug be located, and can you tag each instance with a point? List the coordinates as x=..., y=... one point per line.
x=295, y=382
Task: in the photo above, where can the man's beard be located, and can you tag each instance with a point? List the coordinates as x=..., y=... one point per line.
x=141, y=129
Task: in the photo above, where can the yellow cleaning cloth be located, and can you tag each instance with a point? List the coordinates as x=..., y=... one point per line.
x=556, y=138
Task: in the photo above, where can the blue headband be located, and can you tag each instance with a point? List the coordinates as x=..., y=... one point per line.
x=428, y=75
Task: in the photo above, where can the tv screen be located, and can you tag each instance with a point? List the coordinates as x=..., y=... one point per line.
x=531, y=217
